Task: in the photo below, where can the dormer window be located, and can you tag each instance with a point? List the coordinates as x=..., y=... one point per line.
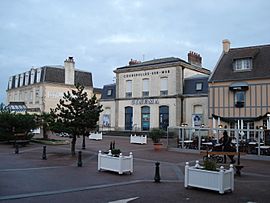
x=199, y=86
x=109, y=92
x=242, y=64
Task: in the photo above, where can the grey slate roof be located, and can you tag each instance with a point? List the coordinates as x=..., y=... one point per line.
x=157, y=63
x=190, y=85
x=56, y=74
x=260, y=64
x=105, y=96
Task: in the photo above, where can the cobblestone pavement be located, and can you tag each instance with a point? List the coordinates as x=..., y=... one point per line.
x=25, y=177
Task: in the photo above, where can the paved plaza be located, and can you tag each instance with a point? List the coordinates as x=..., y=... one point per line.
x=25, y=177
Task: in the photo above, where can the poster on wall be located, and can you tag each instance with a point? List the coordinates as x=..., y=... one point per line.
x=196, y=120
x=106, y=120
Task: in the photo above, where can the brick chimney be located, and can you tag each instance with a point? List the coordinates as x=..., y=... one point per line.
x=69, y=66
x=226, y=45
x=133, y=62
x=195, y=59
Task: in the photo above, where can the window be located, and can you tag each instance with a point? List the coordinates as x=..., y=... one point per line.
x=109, y=92
x=239, y=98
x=106, y=120
x=30, y=99
x=242, y=64
x=129, y=88
x=21, y=79
x=163, y=117
x=37, y=97
x=16, y=81
x=145, y=114
x=38, y=75
x=199, y=86
x=10, y=82
x=32, y=76
x=145, y=92
x=164, y=86
x=128, y=118
x=26, y=78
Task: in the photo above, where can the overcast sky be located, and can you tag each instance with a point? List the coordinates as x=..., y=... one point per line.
x=102, y=35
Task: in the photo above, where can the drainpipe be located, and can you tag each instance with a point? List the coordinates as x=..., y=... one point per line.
x=182, y=98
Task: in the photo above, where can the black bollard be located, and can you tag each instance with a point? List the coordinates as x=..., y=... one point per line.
x=157, y=176
x=83, y=142
x=80, y=159
x=44, y=156
x=113, y=145
x=16, y=148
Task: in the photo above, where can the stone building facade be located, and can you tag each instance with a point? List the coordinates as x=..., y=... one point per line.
x=40, y=89
x=151, y=94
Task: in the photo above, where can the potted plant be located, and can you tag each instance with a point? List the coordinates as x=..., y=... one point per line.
x=209, y=176
x=156, y=134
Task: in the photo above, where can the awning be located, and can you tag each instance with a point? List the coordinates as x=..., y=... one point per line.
x=239, y=86
x=235, y=119
x=16, y=107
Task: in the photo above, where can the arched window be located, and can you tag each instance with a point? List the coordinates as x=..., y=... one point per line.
x=128, y=118
x=163, y=117
x=145, y=113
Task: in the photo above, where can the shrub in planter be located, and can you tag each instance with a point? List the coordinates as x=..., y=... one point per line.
x=210, y=165
x=156, y=134
x=115, y=152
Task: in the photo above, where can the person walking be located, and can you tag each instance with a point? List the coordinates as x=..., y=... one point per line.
x=227, y=146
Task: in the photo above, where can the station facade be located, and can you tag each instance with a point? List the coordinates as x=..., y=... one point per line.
x=152, y=94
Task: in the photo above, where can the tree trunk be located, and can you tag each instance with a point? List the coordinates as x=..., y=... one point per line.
x=73, y=143
x=45, y=135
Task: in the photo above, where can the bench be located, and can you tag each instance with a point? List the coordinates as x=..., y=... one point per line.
x=215, y=155
x=19, y=142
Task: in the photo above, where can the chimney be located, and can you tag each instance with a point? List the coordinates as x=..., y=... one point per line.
x=226, y=45
x=69, y=66
x=133, y=62
x=195, y=59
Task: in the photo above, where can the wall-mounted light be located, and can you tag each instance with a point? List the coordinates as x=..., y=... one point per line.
x=202, y=125
x=220, y=126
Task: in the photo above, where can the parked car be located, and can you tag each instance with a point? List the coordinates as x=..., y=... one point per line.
x=63, y=134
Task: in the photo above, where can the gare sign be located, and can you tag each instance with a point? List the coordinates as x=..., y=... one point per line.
x=144, y=101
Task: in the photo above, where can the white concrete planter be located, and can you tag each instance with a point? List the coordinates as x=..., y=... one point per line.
x=119, y=164
x=141, y=139
x=95, y=136
x=220, y=181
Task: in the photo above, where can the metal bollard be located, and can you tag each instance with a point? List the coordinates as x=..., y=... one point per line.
x=16, y=148
x=44, y=156
x=80, y=159
x=83, y=142
x=157, y=176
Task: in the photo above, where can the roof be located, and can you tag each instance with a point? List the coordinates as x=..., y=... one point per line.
x=97, y=90
x=160, y=63
x=106, y=89
x=260, y=64
x=55, y=74
x=190, y=85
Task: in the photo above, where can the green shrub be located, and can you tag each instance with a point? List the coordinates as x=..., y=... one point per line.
x=210, y=165
x=156, y=134
x=116, y=152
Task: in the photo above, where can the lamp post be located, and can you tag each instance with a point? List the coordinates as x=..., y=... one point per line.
x=268, y=121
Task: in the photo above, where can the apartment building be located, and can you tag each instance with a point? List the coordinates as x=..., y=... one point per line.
x=40, y=89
